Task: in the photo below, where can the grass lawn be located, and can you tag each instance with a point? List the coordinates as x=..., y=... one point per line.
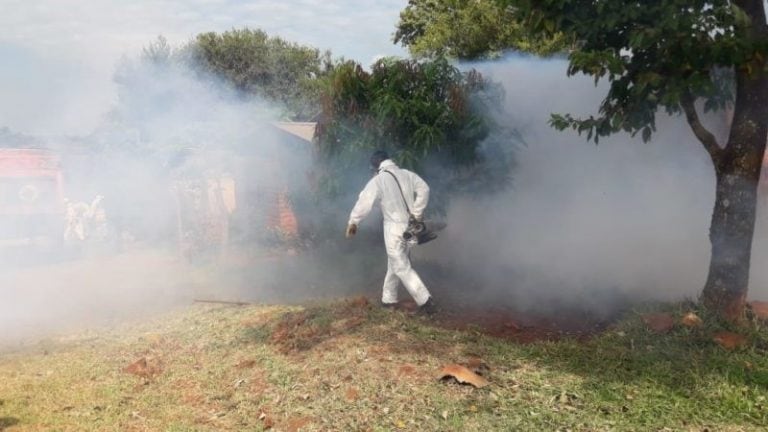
x=347, y=366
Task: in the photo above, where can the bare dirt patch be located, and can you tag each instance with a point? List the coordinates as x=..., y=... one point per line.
x=297, y=424
x=520, y=327
x=659, y=322
x=503, y=323
x=298, y=331
x=145, y=367
x=730, y=340
x=759, y=309
x=301, y=330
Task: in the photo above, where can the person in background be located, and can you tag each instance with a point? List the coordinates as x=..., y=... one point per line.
x=402, y=194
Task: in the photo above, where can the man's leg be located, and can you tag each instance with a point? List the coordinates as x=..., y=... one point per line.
x=391, y=281
x=400, y=263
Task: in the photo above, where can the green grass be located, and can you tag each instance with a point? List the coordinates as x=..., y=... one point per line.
x=223, y=369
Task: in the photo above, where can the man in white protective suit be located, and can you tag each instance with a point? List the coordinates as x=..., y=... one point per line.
x=402, y=194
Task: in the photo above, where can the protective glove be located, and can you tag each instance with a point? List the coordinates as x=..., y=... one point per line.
x=351, y=230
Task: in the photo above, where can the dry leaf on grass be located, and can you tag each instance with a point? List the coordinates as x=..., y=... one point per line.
x=691, y=320
x=659, y=322
x=730, y=340
x=463, y=375
x=351, y=394
x=760, y=309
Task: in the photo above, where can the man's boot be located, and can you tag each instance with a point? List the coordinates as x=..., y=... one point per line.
x=429, y=308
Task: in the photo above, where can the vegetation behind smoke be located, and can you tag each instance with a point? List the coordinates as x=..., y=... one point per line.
x=268, y=67
x=430, y=117
x=253, y=64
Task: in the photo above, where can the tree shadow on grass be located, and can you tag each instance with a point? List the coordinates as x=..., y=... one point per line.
x=684, y=362
x=682, y=370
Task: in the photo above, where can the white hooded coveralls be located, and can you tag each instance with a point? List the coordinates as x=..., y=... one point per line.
x=384, y=189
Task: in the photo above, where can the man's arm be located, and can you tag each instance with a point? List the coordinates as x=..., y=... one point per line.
x=365, y=202
x=421, y=189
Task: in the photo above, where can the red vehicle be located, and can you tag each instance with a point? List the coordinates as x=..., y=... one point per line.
x=31, y=196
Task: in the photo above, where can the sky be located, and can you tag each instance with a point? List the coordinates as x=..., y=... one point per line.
x=57, y=57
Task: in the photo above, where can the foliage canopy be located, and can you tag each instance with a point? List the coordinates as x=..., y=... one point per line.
x=269, y=67
x=468, y=29
x=429, y=116
x=658, y=54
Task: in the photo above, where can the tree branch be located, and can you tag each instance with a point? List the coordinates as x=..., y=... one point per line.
x=707, y=139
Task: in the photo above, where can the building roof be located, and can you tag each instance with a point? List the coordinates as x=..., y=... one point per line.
x=303, y=130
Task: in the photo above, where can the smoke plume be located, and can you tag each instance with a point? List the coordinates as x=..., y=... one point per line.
x=172, y=129
x=592, y=226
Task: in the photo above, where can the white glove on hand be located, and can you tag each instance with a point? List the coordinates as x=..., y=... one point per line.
x=351, y=230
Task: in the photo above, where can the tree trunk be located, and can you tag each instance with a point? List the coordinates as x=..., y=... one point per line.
x=733, y=224
x=737, y=167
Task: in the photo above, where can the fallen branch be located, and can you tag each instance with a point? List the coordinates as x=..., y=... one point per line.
x=235, y=303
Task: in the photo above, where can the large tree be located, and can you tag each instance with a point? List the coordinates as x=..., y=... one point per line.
x=270, y=67
x=681, y=57
x=468, y=29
